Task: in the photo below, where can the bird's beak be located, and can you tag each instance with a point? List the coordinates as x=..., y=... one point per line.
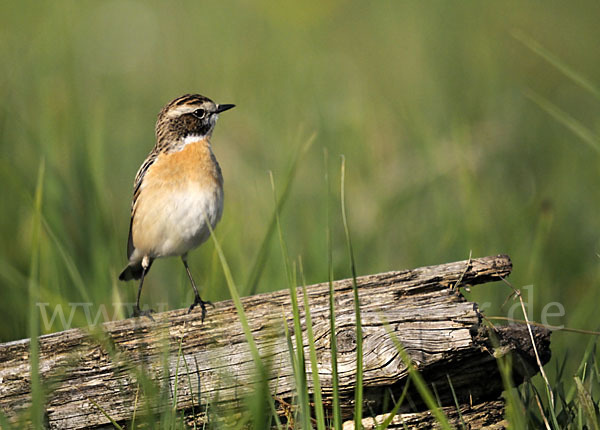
x=223, y=108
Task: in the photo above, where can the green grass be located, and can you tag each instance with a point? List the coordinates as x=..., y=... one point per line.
x=420, y=383
x=37, y=395
x=358, y=390
x=335, y=406
x=465, y=126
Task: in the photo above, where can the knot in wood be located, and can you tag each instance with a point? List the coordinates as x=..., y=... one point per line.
x=346, y=340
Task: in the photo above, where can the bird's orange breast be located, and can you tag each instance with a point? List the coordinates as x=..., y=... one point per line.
x=179, y=192
x=194, y=163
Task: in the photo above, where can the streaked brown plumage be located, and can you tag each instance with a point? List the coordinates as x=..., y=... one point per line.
x=177, y=190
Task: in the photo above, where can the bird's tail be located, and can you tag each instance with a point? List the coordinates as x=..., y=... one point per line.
x=131, y=272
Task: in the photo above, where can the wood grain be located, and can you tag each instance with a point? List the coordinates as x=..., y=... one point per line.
x=484, y=416
x=103, y=367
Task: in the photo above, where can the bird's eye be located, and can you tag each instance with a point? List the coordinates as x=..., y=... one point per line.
x=199, y=113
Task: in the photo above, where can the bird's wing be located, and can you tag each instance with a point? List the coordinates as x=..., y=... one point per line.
x=137, y=188
x=130, y=247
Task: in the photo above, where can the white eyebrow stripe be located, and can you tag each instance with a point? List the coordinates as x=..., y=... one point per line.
x=180, y=110
x=189, y=108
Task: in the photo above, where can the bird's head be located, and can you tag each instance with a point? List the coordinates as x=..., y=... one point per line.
x=191, y=115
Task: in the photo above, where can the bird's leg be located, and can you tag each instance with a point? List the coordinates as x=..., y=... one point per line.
x=197, y=299
x=137, y=312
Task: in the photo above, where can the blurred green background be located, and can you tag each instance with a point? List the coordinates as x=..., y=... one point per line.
x=458, y=137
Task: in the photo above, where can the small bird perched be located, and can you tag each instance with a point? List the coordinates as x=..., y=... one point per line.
x=177, y=191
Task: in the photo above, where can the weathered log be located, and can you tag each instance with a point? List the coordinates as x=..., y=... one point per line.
x=484, y=416
x=88, y=371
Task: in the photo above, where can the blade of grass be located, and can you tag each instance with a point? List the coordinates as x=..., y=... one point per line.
x=538, y=401
x=189, y=380
x=37, y=401
x=112, y=421
x=135, y=404
x=560, y=65
x=460, y=417
x=275, y=416
x=176, y=382
x=236, y=300
x=314, y=365
x=260, y=404
x=259, y=367
x=566, y=120
x=70, y=264
x=300, y=368
x=385, y=423
x=257, y=405
x=581, y=369
x=293, y=356
x=596, y=367
x=261, y=258
x=548, y=388
x=207, y=408
x=167, y=415
x=419, y=382
x=11, y=275
x=358, y=389
x=284, y=251
x=587, y=402
x=4, y=423
x=116, y=297
x=514, y=410
x=337, y=411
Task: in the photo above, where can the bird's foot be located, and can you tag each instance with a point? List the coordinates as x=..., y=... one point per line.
x=202, y=303
x=137, y=312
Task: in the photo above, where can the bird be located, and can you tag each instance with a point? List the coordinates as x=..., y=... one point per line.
x=177, y=192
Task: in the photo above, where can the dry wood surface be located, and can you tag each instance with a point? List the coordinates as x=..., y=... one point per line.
x=89, y=370
x=484, y=416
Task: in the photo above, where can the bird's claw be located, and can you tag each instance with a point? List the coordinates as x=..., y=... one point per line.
x=202, y=303
x=137, y=312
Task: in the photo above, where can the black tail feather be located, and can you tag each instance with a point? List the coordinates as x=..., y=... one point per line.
x=133, y=272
